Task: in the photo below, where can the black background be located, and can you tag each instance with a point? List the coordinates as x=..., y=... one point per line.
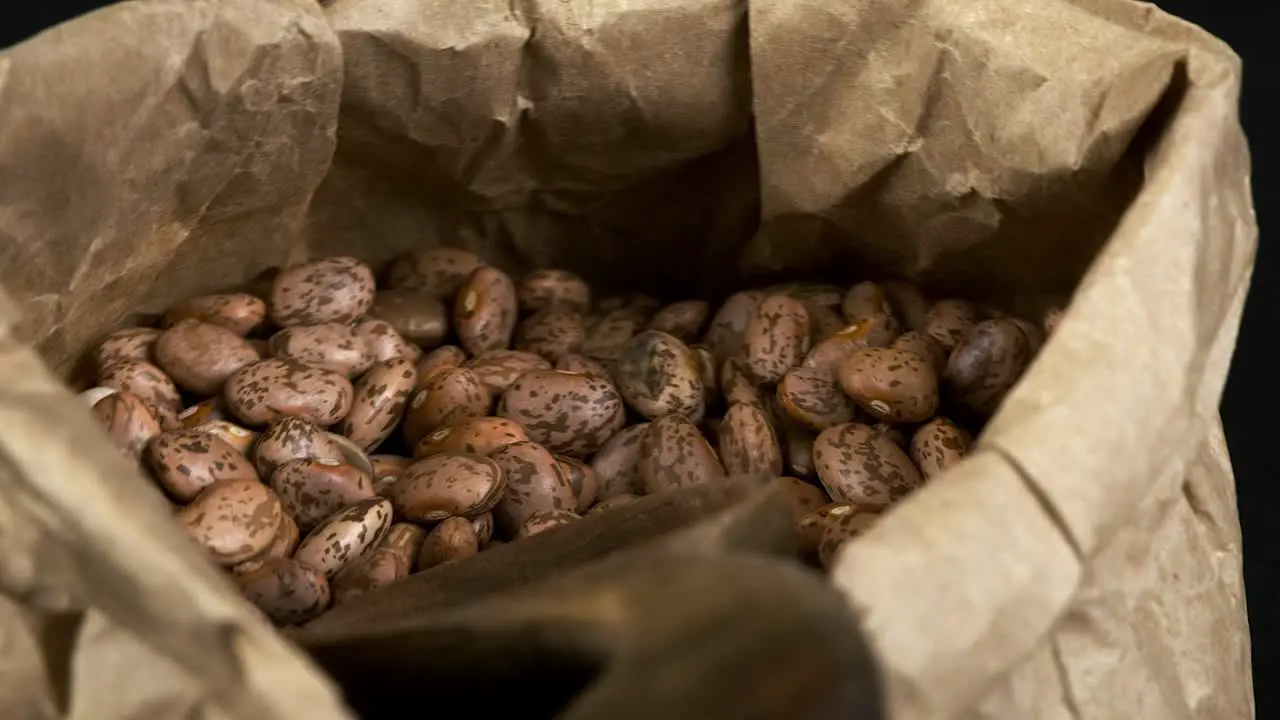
x=1250, y=395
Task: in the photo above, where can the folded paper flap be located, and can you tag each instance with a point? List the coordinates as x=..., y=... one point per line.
x=951, y=600
x=66, y=492
x=1114, y=410
x=138, y=181
x=1171, y=282
x=1154, y=628
x=179, y=165
x=712, y=517
x=628, y=637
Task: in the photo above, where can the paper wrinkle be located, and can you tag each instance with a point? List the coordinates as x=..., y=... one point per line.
x=1158, y=384
x=1145, y=620
x=982, y=146
x=240, y=100
x=171, y=153
x=946, y=619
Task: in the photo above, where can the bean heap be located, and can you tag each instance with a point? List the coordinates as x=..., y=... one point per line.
x=320, y=437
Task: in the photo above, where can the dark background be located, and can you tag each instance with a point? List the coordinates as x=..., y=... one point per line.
x=1250, y=395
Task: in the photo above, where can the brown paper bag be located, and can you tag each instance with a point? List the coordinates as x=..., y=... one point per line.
x=1084, y=563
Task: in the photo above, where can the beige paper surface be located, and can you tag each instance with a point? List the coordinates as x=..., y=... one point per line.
x=1085, y=563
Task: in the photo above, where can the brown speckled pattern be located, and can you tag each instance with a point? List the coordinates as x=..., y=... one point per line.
x=441, y=270
x=657, y=375
x=237, y=437
x=857, y=463
x=949, y=320
x=606, y=338
x=777, y=338
x=498, y=369
x=617, y=464
x=241, y=313
x=291, y=438
x=207, y=410
x=379, y=401
x=831, y=352
x=345, y=536
x=447, y=397
x=737, y=384
x=282, y=546
x=337, y=289
x=843, y=524
x=150, y=384
x=374, y=571
x=330, y=346
x=682, y=320
x=278, y=387
x=811, y=397
x=480, y=436
x=908, y=302
x=128, y=344
x=937, y=445
x=434, y=488
x=748, y=444
x=545, y=520
x=567, y=413
x=675, y=455
x=551, y=333
x=536, y=482
x=199, y=356
x=286, y=540
x=576, y=363
x=403, y=540
x=384, y=342
x=128, y=421
x=708, y=371
x=485, y=312
x=185, y=462
x=727, y=332
x=803, y=497
x=986, y=365
x=312, y=490
x=386, y=471
x=582, y=478
x=897, y=386
x=924, y=346
x=286, y=591
x=416, y=315
x=445, y=356
x=233, y=520
x=544, y=288
x=453, y=539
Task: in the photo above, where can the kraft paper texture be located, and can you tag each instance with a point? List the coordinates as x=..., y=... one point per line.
x=1084, y=563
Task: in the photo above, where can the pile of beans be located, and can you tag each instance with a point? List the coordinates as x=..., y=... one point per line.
x=320, y=436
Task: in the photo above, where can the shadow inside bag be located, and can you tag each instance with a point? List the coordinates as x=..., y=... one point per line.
x=681, y=605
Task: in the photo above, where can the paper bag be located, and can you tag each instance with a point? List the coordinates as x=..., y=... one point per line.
x=1083, y=563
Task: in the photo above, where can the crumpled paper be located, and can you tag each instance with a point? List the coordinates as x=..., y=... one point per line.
x=1084, y=563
